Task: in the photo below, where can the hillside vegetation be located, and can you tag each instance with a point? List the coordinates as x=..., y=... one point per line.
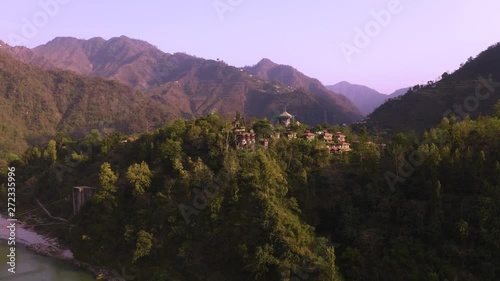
x=471, y=90
x=199, y=86
x=37, y=105
x=421, y=208
x=340, y=105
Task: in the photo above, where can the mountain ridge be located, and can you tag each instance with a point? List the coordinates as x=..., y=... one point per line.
x=365, y=98
x=62, y=101
x=37, y=104
x=456, y=94
x=291, y=77
x=142, y=66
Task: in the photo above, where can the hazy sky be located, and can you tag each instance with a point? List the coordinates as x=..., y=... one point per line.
x=412, y=41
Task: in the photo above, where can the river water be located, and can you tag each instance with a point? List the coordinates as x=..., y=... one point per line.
x=31, y=267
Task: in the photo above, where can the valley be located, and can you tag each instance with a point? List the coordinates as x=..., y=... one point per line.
x=237, y=141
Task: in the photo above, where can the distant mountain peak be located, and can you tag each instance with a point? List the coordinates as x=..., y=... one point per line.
x=296, y=80
x=365, y=98
x=63, y=39
x=343, y=83
x=265, y=62
x=67, y=40
x=183, y=81
x=124, y=38
x=346, y=83
x=97, y=39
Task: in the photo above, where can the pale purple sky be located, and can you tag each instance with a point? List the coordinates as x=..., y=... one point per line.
x=419, y=41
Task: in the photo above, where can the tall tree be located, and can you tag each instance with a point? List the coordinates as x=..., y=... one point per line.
x=139, y=176
x=50, y=153
x=330, y=271
x=143, y=245
x=107, y=185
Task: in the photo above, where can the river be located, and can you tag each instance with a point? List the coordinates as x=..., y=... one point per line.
x=31, y=267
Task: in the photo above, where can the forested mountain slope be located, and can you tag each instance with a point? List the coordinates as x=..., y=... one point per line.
x=471, y=90
x=199, y=86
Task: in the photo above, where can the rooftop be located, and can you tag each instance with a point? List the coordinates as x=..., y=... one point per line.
x=285, y=115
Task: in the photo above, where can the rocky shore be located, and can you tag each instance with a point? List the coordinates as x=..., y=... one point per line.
x=49, y=247
x=56, y=252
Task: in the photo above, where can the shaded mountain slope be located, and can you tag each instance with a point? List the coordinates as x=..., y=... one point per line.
x=35, y=104
x=365, y=98
x=399, y=92
x=455, y=94
x=191, y=86
x=289, y=76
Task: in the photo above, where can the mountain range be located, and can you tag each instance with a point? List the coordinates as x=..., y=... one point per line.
x=72, y=86
x=365, y=98
x=199, y=86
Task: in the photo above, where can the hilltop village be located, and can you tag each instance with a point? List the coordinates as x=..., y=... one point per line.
x=283, y=128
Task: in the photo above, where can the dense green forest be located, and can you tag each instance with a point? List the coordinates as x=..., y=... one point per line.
x=36, y=105
x=181, y=203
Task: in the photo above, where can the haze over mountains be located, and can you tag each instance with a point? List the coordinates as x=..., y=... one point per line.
x=156, y=86
x=161, y=87
x=200, y=86
x=365, y=98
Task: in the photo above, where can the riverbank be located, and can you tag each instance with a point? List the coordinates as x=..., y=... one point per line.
x=49, y=247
